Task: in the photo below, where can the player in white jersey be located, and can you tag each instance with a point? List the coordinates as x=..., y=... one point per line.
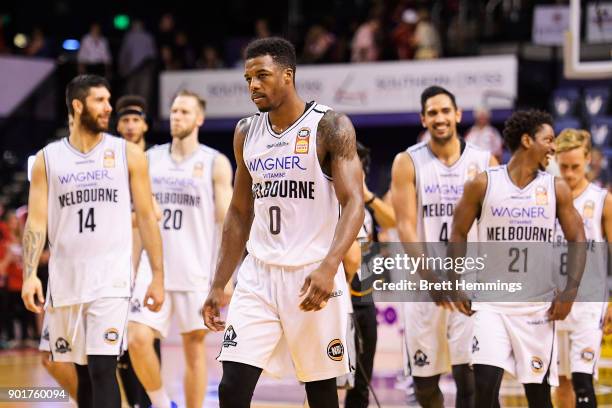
x=132, y=126
x=80, y=193
x=427, y=180
x=192, y=185
x=581, y=332
x=519, y=203
x=298, y=199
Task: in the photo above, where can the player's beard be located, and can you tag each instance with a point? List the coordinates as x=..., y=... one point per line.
x=90, y=123
x=183, y=133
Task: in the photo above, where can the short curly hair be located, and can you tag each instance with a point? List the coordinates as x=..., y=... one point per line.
x=524, y=122
x=281, y=51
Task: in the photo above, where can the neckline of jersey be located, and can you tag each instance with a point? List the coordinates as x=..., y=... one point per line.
x=77, y=151
x=185, y=159
x=463, y=150
x=521, y=190
x=309, y=107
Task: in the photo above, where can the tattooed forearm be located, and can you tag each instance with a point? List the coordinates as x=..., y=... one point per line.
x=336, y=136
x=33, y=244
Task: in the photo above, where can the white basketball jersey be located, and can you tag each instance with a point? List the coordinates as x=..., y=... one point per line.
x=439, y=188
x=513, y=215
x=185, y=194
x=296, y=210
x=590, y=205
x=89, y=222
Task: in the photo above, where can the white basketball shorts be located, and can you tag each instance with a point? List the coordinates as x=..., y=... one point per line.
x=264, y=321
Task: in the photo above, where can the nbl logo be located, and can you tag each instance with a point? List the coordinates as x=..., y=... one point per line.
x=302, y=141
x=335, y=350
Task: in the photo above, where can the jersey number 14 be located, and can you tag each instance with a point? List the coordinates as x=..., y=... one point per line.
x=86, y=220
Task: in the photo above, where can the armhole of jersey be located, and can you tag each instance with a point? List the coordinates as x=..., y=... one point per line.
x=47, y=172
x=486, y=196
x=601, y=217
x=554, y=188
x=316, y=152
x=127, y=168
x=215, y=156
x=416, y=177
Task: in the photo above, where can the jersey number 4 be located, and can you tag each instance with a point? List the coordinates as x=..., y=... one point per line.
x=86, y=221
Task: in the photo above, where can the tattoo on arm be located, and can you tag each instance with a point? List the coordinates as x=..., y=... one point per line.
x=33, y=244
x=336, y=135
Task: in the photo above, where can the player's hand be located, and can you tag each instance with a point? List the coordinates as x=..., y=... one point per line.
x=561, y=305
x=32, y=294
x=210, y=311
x=462, y=303
x=317, y=287
x=154, y=298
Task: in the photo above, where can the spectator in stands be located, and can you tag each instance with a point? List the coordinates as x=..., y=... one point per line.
x=262, y=29
x=402, y=36
x=209, y=58
x=137, y=61
x=427, y=38
x=318, y=45
x=94, y=55
x=599, y=173
x=13, y=267
x=366, y=42
x=183, y=52
x=38, y=45
x=485, y=136
x=166, y=31
x=3, y=47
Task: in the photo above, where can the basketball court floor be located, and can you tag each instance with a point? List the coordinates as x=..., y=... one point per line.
x=22, y=368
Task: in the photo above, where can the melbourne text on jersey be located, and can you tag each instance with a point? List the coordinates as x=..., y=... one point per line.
x=88, y=195
x=176, y=197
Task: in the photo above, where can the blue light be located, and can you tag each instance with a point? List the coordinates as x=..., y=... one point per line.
x=71, y=44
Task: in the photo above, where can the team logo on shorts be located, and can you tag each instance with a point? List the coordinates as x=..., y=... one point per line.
x=420, y=359
x=335, y=350
x=198, y=169
x=135, y=306
x=62, y=346
x=45, y=334
x=475, y=345
x=229, y=336
x=302, y=141
x=541, y=195
x=472, y=171
x=109, y=158
x=587, y=354
x=111, y=336
x=537, y=364
x=589, y=209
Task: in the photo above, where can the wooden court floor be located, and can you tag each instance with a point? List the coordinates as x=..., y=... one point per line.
x=22, y=368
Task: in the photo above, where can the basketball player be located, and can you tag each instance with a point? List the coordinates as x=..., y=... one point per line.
x=298, y=199
x=80, y=191
x=132, y=126
x=580, y=334
x=192, y=184
x=427, y=181
x=520, y=200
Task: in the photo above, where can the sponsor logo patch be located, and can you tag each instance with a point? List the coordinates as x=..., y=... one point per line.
x=475, y=345
x=109, y=158
x=537, y=365
x=62, y=346
x=335, y=350
x=198, y=169
x=229, y=336
x=587, y=354
x=111, y=336
x=589, y=209
x=302, y=141
x=420, y=359
x=541, y=195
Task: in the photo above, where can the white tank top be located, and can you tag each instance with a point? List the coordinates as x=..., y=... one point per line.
x=185, y=194
x=439, y=187
x=590, y=205
x=89, y=222
x=295, y=206
x=510, y=214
